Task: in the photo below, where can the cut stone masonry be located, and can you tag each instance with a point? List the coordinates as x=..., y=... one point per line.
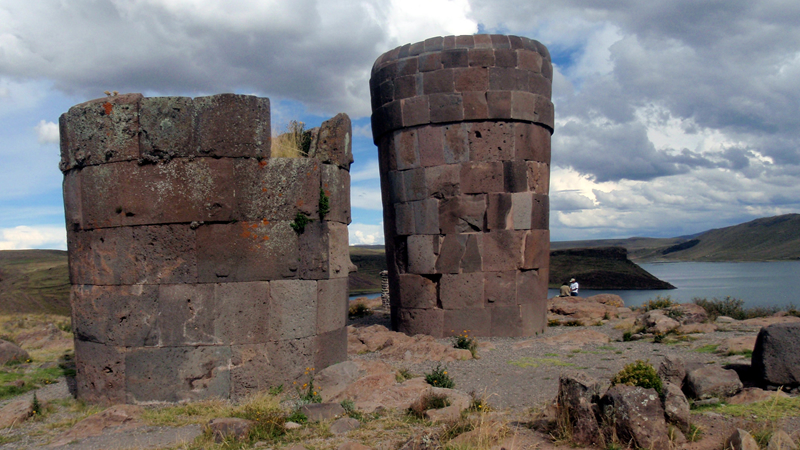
x=463, y=126
x=188, y=281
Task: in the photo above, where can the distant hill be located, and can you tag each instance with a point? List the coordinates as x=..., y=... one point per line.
x=767, y=239
x=600, y=268
x=34, y=281
x=370, y=260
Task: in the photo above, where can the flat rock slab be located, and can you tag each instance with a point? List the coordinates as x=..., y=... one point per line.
x=343, y=425
x=140, y=438
x=317, y=412
x=577, y=337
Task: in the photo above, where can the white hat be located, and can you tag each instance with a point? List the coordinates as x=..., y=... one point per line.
x=572, y=280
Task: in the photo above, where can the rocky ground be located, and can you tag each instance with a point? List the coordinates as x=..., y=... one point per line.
x=513, y=379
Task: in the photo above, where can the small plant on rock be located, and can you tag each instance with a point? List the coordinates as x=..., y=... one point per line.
x=639, y=373
x=308, y=393
x=464, y=342
x=324, y=204
x=439, y=378
x=428, y=401
x=359, y=309
x=300, y=222
x=658, y=303
x=36, y=406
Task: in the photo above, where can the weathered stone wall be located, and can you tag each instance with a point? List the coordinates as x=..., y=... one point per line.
x=188, y=280
x=463, y=127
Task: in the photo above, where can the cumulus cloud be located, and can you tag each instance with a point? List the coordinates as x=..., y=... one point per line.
x=32, y=237
x=47, y=132
x=366, y=197
x=366, y=171
x=365, y=234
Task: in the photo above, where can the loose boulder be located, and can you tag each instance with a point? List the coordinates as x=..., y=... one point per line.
x=224, y=428
x=776, y=360
x=577, y=396
x=657, y=322
x=741, y=440
x=11, y=353
x=638, y=416
x=712, y=381
x=781, y=440
x=672, y=370
x=676, y=407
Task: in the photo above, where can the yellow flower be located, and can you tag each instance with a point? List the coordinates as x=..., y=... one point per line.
x=445, y=372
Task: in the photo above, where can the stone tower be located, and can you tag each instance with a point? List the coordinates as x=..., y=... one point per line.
x=463, y=126
x=188, y=277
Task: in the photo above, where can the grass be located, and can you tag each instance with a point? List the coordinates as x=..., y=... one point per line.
x=295, y=142
x=658, y=303
x=32, y=377
x=708, y=348
x=760, y=411
x=438, y=377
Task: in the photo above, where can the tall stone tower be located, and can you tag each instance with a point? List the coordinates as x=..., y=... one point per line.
x=191, y=276
x=463, y=126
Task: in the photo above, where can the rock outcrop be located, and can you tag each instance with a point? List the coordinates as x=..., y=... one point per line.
x=776, y=359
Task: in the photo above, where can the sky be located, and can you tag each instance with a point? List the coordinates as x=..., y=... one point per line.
x=672, y=116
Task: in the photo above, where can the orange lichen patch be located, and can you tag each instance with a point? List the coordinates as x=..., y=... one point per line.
x=327, y=192
x=246, y=234
x=263, y=189
x=262, y=163
x=266, y=238
x=108, y=107
x=325, y=185
x=264, y=222
x=280, y=195
x=300, y=203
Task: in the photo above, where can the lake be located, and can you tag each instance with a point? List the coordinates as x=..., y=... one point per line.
x=773, y=283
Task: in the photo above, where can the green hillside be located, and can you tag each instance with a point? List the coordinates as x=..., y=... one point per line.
x=600, y=268
x=370, y=261
x=34, y=281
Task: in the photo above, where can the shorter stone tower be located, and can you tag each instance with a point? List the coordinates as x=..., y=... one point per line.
x=463, y=125
x=191, y=276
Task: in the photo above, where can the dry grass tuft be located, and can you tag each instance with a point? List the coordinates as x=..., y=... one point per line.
x=295, y=142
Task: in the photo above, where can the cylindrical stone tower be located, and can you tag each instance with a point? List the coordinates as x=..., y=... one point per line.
x=191, y=277
x=463, y=126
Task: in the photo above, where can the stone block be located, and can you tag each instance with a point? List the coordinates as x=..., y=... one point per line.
x=416, y=49
x=404, y=219
x=295, y=357
x=531, y=142
x=335, y=183
x=481, y=57
x=421, y=321
x=185, y=315
x=500, y=41
x=472, y=261
x=465, y=41
x=391, y=117
x=462, y=291
x=539, y=85
x=331, y=348
x=515, y=176
x=233, y=126
x=506, y=321
x=455, y=58
x=476, y=322
x=475, y=105
x=423, y=249
x=252, y=370
x=491, y=141
x=451, y=252
x=332, y=305
x=443, y=181
x=505, y=57
x=449, y=42
x=481, y=177
x=499, y=104
x=426, y=216
x=166, y=254
x=502, y=250
x=314, y=255
x=338, y=250
x=177, y=374
x=456, y=143
x=293, y=308
x=101, y=373
x=416, y=292
x=180, y=191
x=462, y=214
x=431, y=146
x=167, y=128
x=537, y=249
x=446, y=108
x=530, y=61
x=471, y=79
x=405, y=87
x=482, y=41
x=538, y=177
x=430, y=62
x=416, y=111
x=534, y=316
x=100, y=131
x=523, y=106
x=507, y=79
x=277, y=188
x=545, y=113
x=406, y=149
x=540, y=219
x=242, y=313
x=247, y=251
x=124, y=316
x=547, y=69
x=498, y=212
x=414, y=184
x=531, y=286
x=333, y=144
x=438, y=82
x=521, y=210
x=500, y=288
x=397, y=187
x=73, y=208
x=434, y=44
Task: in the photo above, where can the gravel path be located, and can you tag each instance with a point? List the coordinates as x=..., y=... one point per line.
x=522, y=378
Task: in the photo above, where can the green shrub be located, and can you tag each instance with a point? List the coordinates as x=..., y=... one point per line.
x=464, y=342
x=658, y=303
x=439, y=378
x=300, y=222
x=626, y=336
x=324, y=204
x=732, y=307
x=639, y=373
x=359, y=309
